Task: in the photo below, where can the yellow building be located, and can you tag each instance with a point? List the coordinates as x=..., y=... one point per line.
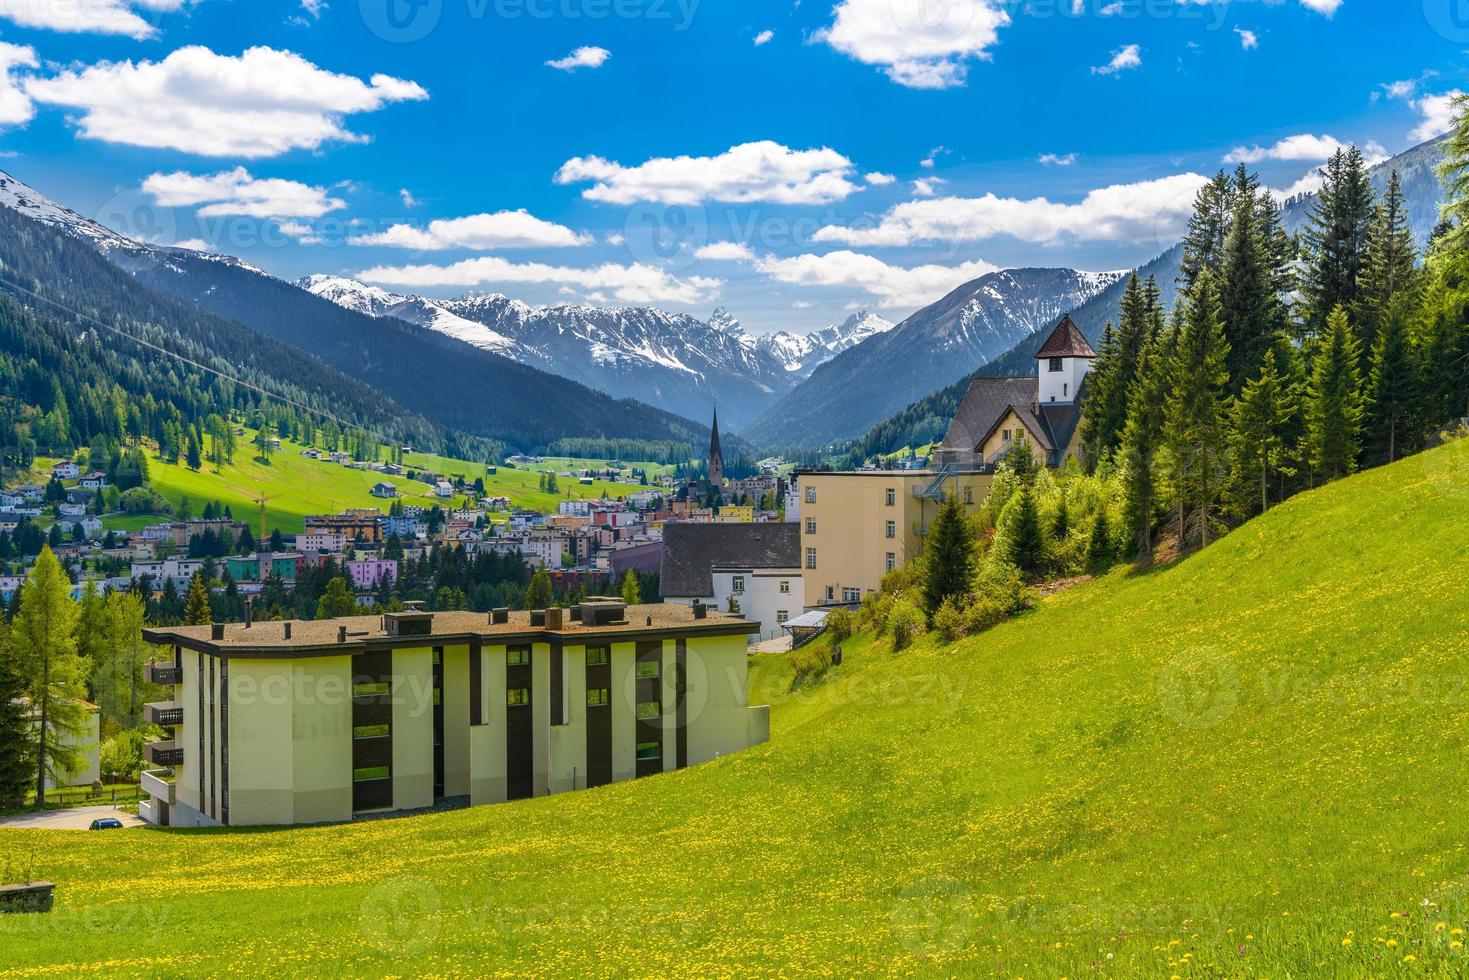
x=858, y=525
x=309, y=722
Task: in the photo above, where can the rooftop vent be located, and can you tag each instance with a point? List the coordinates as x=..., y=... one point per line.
x=411, y=623
x=555, y=618
x=216, y=631
x=288, y=630
x=603, y=612
x=499, y=617
x=538, y=617
x=701, y=611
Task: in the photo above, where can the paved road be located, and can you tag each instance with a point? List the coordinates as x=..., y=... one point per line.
x=77, y=818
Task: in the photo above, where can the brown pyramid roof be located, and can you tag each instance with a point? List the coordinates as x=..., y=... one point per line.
x=1065, y=341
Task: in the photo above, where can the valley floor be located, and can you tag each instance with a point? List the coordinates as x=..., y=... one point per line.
x=1249, y=763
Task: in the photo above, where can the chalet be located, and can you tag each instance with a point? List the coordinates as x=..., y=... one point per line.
x=384, y=490
x=71, y=510
x=443, y=488
x=65, y=470
x=1042, y=411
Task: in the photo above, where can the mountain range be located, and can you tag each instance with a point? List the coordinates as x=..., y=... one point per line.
x=670, y=360
x=462, y=387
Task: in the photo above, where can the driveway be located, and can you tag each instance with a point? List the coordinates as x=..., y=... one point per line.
x=77, y=818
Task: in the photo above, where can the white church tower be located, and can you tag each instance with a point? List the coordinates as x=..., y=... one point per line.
x=1063, y=362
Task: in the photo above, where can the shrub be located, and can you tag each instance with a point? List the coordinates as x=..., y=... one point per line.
x=840, y=625
x=811, y=660
x=906, y=623
x=144, y=500
x=948, y=622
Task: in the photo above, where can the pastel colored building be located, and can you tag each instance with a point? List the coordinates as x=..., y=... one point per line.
x=370, y=573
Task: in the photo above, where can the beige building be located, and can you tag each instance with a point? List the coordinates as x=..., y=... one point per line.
x=856, y=526
x=307, y=722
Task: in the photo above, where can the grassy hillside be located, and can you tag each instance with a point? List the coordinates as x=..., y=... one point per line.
x=1247, y=764
x=299, y=487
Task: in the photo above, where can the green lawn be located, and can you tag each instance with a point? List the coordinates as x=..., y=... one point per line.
x=1251, y=763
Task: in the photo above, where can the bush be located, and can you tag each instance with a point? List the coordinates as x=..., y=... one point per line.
x=948, y=622
x=840, y=625
x=999, y=594
x=906, y=623
x=144, y=500
x=811, y=660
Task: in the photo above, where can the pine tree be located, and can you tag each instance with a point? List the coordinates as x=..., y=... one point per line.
x=1110, y=381
x=336, y=600
x=632, y=593
x=1141, y=438
x=43, y=645
x=1203, y=246
x=1250, y=305
x=1334, y=402
x=1389, y=281
x=17, y=768
x=948, y=558
x=1336, y=239
x=1392, y=391
x=1452, y=234
x=1194, y=413
x=1259, y=423
x=193, y=456
x=196, y=606
x=1019, y=540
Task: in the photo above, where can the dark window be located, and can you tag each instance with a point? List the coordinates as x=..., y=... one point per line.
x=1055, y=365
x=597, y=656
x=517, y=657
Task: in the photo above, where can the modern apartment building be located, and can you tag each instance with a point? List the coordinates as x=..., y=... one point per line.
x=306, y=722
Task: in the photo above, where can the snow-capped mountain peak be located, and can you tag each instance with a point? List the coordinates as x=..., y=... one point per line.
x=800, y=354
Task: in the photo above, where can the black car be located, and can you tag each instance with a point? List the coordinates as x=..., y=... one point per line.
x=106, y=823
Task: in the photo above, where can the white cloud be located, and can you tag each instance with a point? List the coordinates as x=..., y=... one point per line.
x=125, y=17
x=764, y=37
x=762, y=171
x=1304, y=146
x=1129, y=56
x=725, y=252
x=406, y=196
x=1247, y=39
x=1438, y=112
x=878, y=179
x=636, y=283
x=588, y=57
x=1147, y=211
x=1057, y=160
x=917, y=44
x=235, y=192
x=1404, y=89
x=193, y=245
x=932, y=158
x=616, y=238
x=260, y=104
x=15, y=106
x=890, y=285
x=1327, y=7
x=480, y=232
x=313, y=7
x=927, y=186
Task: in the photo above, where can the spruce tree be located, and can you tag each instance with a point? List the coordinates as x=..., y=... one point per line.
x=1141, y=438
x=44, y=647
x=1110, y=382
x=17, y=770
x=1259, y=421
x=1392, y=392
x=1336, y=239
x=1194, y=413
x=1390, y=275
x=948, y=560
x=196, y=606
x=1452, y=233
x=1334, y=402
x=1019, y=540
x=1203, y=246
x=1250, y=305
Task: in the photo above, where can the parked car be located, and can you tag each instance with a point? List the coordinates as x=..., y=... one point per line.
x=106, y=823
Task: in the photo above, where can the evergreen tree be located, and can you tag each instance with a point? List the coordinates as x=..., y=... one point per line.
x=1208, y=226
x=1336, y=239
x=1334, y=402
x=1392, y=392
x=196, y=607
x=1390, y=275
x=1019, y=540
x=1451, y=236
x=336, y=600
x=1259, y=425
x=1141, y=439
x=193, y=456
x=949, y=558
x=1110, y=381
x=632, y=593
x=1250, y=305
x=44, y=649
x=1099, y=553
x=1194, y=427
x=17, y=769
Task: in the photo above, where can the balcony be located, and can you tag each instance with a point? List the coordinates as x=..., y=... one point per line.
x=164, y=754
x=164, y=713
x=166, y=675
x=158, y=784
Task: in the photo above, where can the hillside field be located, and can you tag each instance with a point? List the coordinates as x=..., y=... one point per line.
x=1249, y=763
x=299, y=487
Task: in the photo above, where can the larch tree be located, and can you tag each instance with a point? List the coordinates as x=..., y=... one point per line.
x=44, y=647
x=632, y=592
x=197, y=611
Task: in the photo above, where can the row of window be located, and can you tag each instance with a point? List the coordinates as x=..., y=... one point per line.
x=737, y=586
x=891, y=528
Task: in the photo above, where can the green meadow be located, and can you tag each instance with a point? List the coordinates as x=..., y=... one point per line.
x=1250, y=763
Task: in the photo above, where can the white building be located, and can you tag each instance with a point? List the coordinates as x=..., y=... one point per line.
x=331, y=542
x=755, y=565
x=180, y=570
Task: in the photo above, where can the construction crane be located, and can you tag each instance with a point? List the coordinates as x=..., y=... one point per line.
x=261, y=498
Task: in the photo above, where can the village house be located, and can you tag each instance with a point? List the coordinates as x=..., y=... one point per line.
x=65, y=470
x=369, y=574
x=752, y=569
x=384, y=490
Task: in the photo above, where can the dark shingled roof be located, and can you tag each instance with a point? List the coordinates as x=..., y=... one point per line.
x=986, y=403
x=691, y=552
x=1065, y=341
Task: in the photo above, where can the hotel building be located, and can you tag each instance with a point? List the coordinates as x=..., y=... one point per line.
x=309, y=722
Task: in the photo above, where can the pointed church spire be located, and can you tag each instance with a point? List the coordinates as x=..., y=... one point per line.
x=716, y=455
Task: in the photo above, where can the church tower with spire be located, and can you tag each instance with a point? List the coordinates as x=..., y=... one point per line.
x=716, y=459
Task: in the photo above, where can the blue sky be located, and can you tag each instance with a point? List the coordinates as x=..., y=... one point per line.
x=792, y=161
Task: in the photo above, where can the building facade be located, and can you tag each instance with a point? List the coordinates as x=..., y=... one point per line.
x=755, y=565
x=309, y=722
